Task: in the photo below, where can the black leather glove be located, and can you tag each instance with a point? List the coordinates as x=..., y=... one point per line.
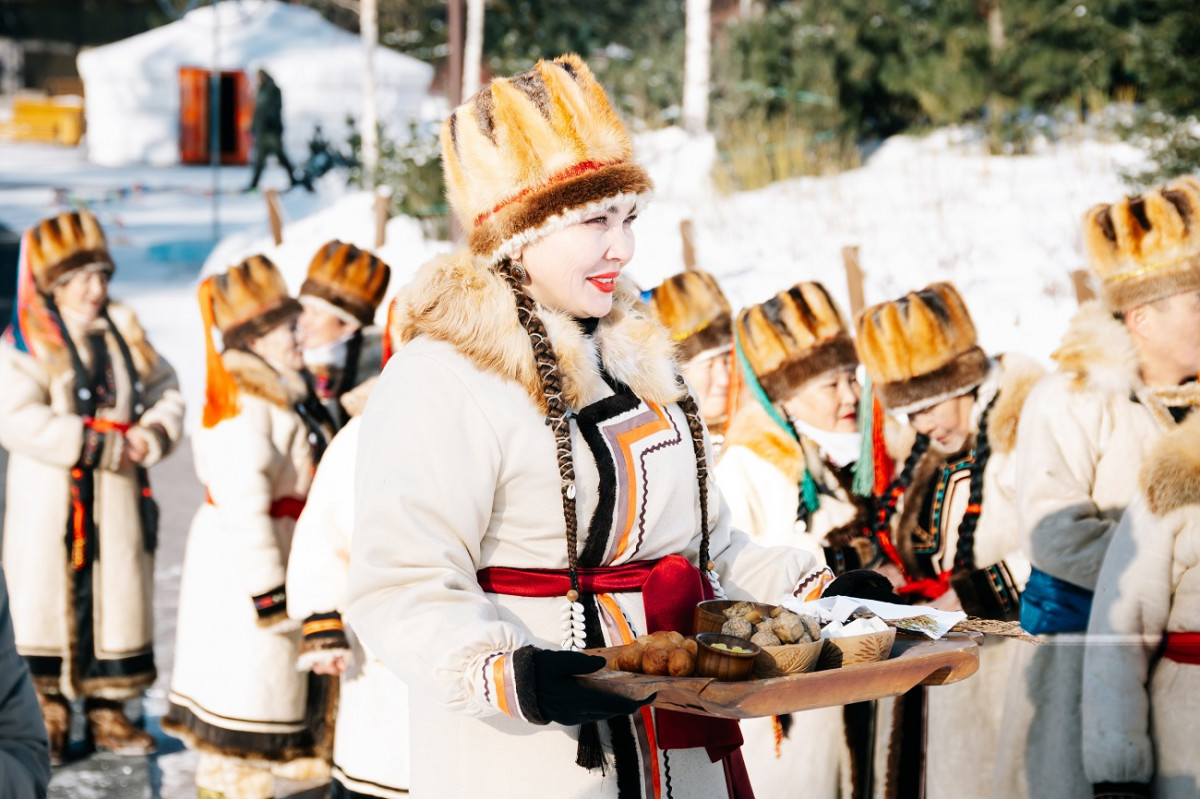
x=1121, y=790
x=548, y=691
x=864, y=584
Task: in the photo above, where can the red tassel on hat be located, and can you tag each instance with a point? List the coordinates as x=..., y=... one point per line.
x=220, y=391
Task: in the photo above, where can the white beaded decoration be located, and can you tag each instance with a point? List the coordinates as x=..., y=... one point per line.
x=574, y=637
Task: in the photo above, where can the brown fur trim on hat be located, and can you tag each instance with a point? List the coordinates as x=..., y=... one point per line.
x=238, y=336
x=73, y=263
x=362, y=311
x=717, y=335
x=837, y=353
x=1170, y=475
x=1122, y=295
x=540, y=206
x=958, y=376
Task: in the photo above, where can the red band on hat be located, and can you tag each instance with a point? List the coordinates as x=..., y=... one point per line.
x=568, y=173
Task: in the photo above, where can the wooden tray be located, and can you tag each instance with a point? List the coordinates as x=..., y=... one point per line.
x=913, y=662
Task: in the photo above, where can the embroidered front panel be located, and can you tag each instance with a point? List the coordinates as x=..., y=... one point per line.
x=938, y=538
x=626, y=436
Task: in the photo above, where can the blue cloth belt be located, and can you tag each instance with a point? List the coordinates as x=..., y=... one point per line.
x=1051, y=605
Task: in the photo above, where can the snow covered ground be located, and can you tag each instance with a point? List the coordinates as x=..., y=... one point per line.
x=1004, y=229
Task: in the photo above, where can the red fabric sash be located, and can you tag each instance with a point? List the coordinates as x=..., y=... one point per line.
x=282, y=508
x=928, y=588
x=1183, y=648
x=671, y=587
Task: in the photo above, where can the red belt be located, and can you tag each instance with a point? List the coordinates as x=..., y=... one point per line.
x=282, y=508
x=1183, y=648
x=670, y=588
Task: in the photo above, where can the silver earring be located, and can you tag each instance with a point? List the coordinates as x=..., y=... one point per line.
x=519, y=274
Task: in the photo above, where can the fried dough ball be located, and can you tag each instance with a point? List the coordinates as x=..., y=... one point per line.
x=656, y=661
x=629, y=657
x=681, y=663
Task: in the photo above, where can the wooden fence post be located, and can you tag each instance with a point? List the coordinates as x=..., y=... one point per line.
x=687, y=231
x=1083, y=286
x=383, y=198
x=274, y=215
x=854, y=279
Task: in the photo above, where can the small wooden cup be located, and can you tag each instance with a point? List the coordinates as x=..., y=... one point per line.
x=724, y=665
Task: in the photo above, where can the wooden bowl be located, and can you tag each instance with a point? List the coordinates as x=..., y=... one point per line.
x=724, y=665
x=870, y=648
x=778, y=661
x=710, y=616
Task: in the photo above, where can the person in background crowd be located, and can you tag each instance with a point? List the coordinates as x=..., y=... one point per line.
x=370, y=750
x=532, y=476
x=696, y=313
x=1141, y=678
x=1126, y=374
x=342, y=349
x=86, y=405
x=948, y=521
x=788, y=474
x=24, y=750
x=267, y=127
x=236, y=695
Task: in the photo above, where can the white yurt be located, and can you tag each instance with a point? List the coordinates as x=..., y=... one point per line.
x=149, y=98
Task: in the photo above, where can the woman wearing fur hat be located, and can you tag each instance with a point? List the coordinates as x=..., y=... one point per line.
x=533, y=474
x=947, y=519
x=86, y=405
x=235, y=693
x=1141, y=680
x=1126, y=373
x=342, y=348
x=696, y=313
x=788, y=473
x=370, y=747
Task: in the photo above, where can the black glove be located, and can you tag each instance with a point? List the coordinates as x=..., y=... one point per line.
x=1121, y=790
x=548, y=691
x=864, y=584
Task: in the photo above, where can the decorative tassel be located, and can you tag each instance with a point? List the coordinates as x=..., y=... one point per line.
x=714, y=580
x=220, y=391
x=388, y=346
x=808, y=492
x=777, y=728
x=589, y=754
x=864, y=467
x=756, y=389
x=884, y=467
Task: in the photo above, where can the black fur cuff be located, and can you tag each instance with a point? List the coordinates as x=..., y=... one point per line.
x=525, y=678
x=323, y=631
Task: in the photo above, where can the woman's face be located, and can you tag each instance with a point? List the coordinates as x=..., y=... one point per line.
x=709, y=377
x=948, y=423
x=83, y=294
x=574, y=270
x=828, y=402
x=280, y=345
x=318, y=325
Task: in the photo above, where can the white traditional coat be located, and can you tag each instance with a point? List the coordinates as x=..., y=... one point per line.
x=44, y=434
x=235, y=689
x=1141, y=711
x=759, y=473
x=1084, y=433
x=963, y=719
x=370, y=750
x=457, y=472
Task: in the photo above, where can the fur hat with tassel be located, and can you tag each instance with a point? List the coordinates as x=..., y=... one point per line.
x=246, y=301
x=350, y=281
x=793, y=337
x=695, y=311
x=1146, y=247
x=921, y=349
x=64, y=244
x=534, y=153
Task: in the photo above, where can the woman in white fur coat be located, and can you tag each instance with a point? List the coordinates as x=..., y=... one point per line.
x=532, y=475
x=787, y=474
x=1141, y=678
x=1126, y=372
x=86, y=405
x=236, y=694
x=952, y=530
x=370, y=747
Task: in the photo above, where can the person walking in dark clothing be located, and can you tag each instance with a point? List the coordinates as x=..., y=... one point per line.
x=267, y=127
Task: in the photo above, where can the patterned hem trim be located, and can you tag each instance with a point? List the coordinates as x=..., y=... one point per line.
x=813, y=584
x=499, y=684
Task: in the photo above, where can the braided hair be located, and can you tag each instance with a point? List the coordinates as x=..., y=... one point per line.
x=964, y=555
x=558, y=417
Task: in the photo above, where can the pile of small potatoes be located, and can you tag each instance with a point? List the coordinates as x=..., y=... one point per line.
x=661, y=654
x=745, y=620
